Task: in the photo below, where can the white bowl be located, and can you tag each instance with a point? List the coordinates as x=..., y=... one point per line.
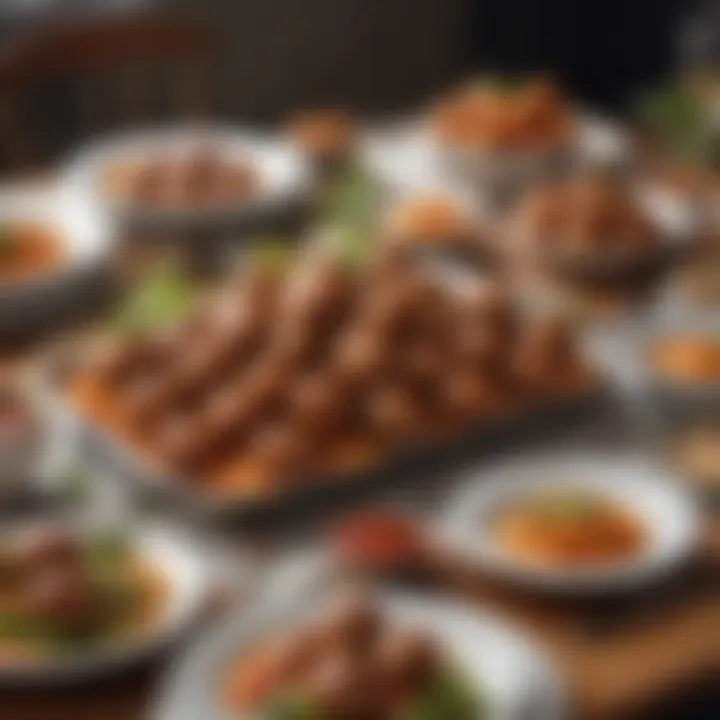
x=33, y=303
x=666, y=510
x=282, y=173
x=186, y=568
x=518, y=681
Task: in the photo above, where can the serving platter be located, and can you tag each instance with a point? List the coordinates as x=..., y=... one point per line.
x=403, y=466
x=282, y=177
x=87, y=241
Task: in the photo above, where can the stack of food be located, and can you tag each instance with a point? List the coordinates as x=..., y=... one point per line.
x=327, y=138
x=61, y=594
x=430, y=220
x=324, y=369
x=350, y=663
x=201, y=176
x=489, y=117
x=589, y=222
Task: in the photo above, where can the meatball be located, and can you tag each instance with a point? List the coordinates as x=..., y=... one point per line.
x=406, y=659
x=63, y=597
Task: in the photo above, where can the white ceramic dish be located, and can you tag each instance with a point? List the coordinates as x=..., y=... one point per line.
x=282, y=174
x=673, y=222
x=88, y=242
x=187, y=572
x=518, y=682
x=623, y=350
x=409, y=160
x=666, y=510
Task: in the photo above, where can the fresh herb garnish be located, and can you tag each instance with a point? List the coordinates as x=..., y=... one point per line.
x=680, y=116
x=161, y=297
x=74, y=484
x=449, y=697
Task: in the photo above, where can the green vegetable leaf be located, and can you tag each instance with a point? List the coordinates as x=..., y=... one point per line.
x=449, y=698
x=680, y=117
x=107, y=549
x=74, y=484
x=273, y=253
x=161, y=297
x=291, y=707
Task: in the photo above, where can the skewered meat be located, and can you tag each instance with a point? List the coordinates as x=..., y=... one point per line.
x=394, y=412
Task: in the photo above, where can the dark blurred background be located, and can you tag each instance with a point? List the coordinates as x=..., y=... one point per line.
x=386, y=55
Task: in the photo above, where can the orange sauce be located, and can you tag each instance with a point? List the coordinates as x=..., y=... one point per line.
x=688, y=359
x=28, y=250
x=566, y=531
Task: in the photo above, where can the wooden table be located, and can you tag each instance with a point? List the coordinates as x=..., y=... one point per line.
x=669, y=644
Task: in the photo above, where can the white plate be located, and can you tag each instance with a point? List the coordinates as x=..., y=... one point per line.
x=283, y=174
x=181, y=558
x=87, y=241
x=663, y=506
x=518, y=682
x=408, y=158
x=623, y=350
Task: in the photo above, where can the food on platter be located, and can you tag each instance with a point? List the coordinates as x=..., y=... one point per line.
x=493, y=117
x=430, y=220
x=63, y=594
x=590, y=220
x=695, y=453
x=322, y=368
x=350, y=662
x=201, y=176
x=327, y=137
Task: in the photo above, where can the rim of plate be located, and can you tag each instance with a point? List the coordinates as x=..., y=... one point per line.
x=281, y=168
x=666, y=509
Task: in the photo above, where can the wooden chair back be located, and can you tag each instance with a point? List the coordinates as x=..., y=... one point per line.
x=64, y=83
